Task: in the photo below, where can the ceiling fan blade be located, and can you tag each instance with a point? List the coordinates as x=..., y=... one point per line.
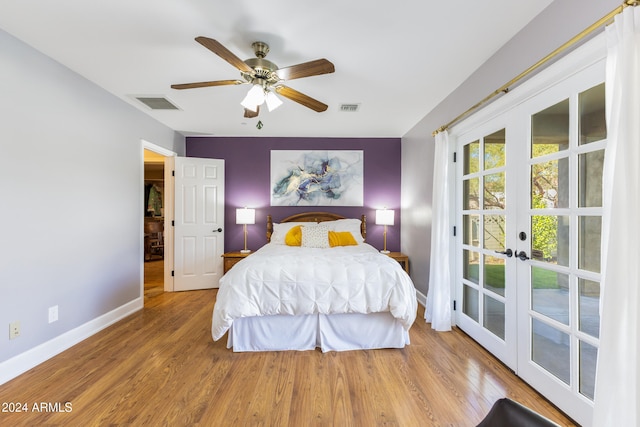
x=251, y=114
x=301, y=98
x=207, y=84
x=224, y=53
x=306, y=69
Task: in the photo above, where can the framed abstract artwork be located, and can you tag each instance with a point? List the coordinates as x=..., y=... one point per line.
x=317, y=178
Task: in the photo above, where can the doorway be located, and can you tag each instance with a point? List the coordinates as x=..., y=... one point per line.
x=157, y=167
x=153, y=229
x=195, y=221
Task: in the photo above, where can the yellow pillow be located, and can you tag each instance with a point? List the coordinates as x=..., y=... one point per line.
x=341, y=238
x=294, y=236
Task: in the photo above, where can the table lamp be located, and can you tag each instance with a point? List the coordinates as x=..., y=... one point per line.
x=245, y=216
x=384, y=217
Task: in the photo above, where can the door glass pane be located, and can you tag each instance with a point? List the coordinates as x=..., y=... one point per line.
x=589, y=231
x=593, y=126
x=494, y=196
x=494, y=316
x=588, y=357
x=550, y=349
x=550, y=294
x=590, y=178
x=471, y=230
x=589, y=307
x=494, y=274
x=470, y=302
x=472, y=158
x=550, y=184
x=550, y=130
x=470, y=271
x=494, y=150
x=550, y=239
x=471, y=198
x=494, y=232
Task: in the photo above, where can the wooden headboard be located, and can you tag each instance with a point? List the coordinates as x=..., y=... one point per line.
x=315, y=217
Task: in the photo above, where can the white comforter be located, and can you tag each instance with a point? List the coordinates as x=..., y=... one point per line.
x=280, y=279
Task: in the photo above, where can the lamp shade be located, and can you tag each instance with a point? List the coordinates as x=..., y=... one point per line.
x=254, y=98
x=272, y=101
x=245, y=216
x=384, y=216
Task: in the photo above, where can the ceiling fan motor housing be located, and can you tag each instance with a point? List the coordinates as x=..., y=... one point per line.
x=263, y=69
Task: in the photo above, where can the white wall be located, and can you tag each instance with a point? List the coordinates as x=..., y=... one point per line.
x=557, y=24
x=70, y=201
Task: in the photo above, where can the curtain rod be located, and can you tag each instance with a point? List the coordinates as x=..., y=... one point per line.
x=505, y=88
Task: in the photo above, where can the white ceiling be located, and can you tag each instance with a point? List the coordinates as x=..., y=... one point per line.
x=397, y=60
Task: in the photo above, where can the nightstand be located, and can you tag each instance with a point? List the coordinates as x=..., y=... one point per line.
x=231, y=258
x=401, y=258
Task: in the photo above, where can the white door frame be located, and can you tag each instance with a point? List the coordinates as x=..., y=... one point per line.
x=169, y=197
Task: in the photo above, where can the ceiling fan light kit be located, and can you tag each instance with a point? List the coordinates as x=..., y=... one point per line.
x=272, y=101
x=255, y=97
x=258, y=95
x=265, y=77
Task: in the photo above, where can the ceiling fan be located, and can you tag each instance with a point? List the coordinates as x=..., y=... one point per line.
x=265, y=78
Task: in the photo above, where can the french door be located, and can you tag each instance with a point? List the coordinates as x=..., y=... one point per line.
x=528, y=255
x=487, y=278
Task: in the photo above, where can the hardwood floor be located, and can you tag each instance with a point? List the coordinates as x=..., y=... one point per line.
x=160, y=366
x=153, y=278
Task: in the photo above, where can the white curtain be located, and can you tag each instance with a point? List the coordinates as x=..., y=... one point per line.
x=617, y=398
x=438, y=308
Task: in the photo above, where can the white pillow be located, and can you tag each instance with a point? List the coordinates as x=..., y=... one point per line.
x=351, y=225
x=280, y=231
x=315, y=236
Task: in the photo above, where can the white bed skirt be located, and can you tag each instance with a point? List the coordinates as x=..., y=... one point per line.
x=336, y=332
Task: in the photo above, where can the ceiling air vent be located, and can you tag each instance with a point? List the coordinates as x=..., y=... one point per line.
x=157, y=102
x=349, y=108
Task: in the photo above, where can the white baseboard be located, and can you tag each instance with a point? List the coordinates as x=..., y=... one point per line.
x=422, y=298
x=21, y=363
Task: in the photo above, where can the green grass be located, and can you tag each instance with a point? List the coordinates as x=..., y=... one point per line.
x=542, y=278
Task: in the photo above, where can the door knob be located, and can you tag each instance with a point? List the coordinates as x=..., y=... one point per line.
x=522, y=255
x=219, y=230
x=508, y=253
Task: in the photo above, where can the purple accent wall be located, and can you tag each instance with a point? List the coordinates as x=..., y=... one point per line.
x=247, y=176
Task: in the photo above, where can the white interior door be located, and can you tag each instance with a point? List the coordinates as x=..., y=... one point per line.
x=199, y=223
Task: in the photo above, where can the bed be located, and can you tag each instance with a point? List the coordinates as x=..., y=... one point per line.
x=315, y=284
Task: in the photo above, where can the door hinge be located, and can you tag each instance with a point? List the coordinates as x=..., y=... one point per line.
x=173, y=273
x=454, y=305
x=173, y=173
x=173, y=223
x=454, y=231
x=455, y=157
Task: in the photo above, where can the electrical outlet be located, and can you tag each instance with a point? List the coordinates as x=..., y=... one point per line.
x=14, y=329
x=53, y=314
